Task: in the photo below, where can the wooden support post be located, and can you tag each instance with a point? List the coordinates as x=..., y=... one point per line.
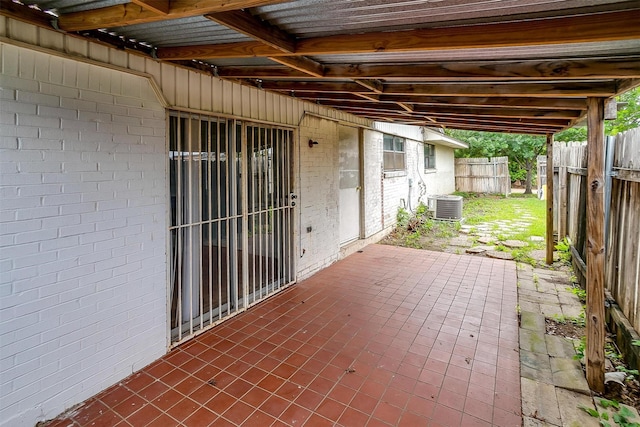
x=595, y=245
x=549, y=194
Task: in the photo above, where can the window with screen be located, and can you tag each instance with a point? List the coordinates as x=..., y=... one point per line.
x=429, y=156
x=393, y=153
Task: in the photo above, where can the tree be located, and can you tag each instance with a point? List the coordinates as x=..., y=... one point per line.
x=629, y=115
x=522, y=150
x=628, y=118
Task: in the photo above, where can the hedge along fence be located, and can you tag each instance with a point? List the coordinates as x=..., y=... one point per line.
x=483, y=175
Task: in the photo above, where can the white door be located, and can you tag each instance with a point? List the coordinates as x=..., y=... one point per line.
x=349, y=142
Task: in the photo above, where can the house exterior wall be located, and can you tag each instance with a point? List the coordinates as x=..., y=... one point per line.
x=83, y=300
x=413, y=185
x=373, y=183
x=318, y=199
x=84, y=200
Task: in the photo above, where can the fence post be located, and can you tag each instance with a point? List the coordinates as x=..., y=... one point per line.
x=595, y=244
x=549, y=194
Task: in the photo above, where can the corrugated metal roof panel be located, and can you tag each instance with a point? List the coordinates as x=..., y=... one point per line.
x=69, y=6
x=196, y=30
x=313, y=18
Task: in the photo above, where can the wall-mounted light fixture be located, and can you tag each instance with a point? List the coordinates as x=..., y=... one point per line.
x=312, y=143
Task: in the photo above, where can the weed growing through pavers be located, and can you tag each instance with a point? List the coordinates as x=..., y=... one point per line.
x=620, y=415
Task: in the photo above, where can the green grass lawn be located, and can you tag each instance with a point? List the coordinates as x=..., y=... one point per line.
x=486, y=208
x=518, y=207
x=483, y=215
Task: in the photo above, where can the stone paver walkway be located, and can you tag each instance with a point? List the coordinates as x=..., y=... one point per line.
x=490, y=234
x=552, y=380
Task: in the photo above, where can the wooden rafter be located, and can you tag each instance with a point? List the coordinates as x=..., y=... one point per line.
x=131, y=13
x=155, y=6
x=373, y=85
x=619, y=25
x=368, y=96
x=552, y=90
x=501, y=128
x=307, y=66
x=263, y=32
x=468, y=101
x=536, y=95
x=461, y=111
x=500, y=112
x=621, y=67
x=408, y=107
x=243, y=22
x=493, y=101
x=502, y=121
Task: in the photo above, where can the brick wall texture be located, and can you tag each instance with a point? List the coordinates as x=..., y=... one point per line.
x=82, y=237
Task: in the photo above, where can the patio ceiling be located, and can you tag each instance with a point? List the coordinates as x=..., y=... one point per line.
x=525, y=66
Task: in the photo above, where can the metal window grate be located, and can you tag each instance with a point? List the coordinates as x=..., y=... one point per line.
x=231, y=232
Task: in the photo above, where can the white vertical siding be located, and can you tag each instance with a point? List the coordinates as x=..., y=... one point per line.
x=180, y=87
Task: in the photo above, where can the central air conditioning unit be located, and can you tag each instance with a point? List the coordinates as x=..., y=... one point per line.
x=448, y=208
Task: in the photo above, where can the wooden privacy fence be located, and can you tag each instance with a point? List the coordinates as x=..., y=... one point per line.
x=483, y=175
x=622, y=272
x=622, y=214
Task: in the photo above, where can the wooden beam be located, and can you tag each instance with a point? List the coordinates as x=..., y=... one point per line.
x=409, y=107
x=597, y=27
x=373, y=85
x=368, y=96
x=491, y=128
x=493, y=101
x=131, y=13
x=551, y=90
x=464, y=101
x=244, y=22
x=624, y=67
x=247, y=49
x=156, y=6
x=339, y=96
x=301, y=63
x=595, y=246
x=602, y=68
x=542, y=124
x=498, y=112
x=549, y=196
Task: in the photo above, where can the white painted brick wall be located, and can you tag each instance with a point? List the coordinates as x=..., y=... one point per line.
x=83, y=279
x=318, y=195
x=396, y=190
x=373, y=182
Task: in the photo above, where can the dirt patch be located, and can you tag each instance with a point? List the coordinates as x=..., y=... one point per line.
x=566, y=329
x=628, y=394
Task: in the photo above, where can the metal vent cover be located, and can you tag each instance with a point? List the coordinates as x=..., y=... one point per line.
x=448, y=207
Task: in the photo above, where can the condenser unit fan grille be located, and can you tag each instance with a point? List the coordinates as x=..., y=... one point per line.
x=449, y=207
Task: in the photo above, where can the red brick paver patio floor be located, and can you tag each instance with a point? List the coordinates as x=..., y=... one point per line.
x=387, y=337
